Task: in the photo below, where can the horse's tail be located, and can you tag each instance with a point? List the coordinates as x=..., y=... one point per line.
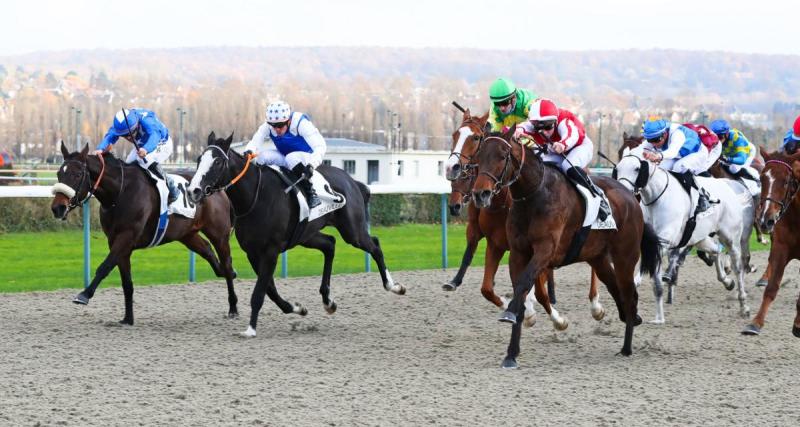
x=651, y=251
x=366, y=194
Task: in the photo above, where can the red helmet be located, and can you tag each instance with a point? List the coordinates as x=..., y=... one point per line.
x=543, y=110
x=796, y=129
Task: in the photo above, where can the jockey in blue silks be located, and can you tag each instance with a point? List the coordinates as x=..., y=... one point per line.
x=678, y=149
x=737, y=152
x=151, y=140
x=792, y=138
x=289, y=139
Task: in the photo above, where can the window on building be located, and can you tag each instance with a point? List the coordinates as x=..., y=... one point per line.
x=441, y=168
x=372, y=171
x=399, y=168
x=327, y=162
x=350, y=166
x=416, y=168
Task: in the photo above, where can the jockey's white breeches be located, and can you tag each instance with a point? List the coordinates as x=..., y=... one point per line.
x=579, y=156
x=159, y=155
x=695, y=162
x=274, y=157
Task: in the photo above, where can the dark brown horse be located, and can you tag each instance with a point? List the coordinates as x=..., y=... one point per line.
x=779, y=214
x=129, y=214
x=546, y=214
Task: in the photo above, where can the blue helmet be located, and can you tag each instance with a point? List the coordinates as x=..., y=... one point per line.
x=720, y=127
x=123, y=126
x=654, y=127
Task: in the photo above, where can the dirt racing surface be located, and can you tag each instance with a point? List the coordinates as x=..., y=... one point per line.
x=428, y=357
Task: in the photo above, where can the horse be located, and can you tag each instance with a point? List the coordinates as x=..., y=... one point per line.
x=490, y=222
x=717, y=171
x=779, y=214
x=266, y=217
x=546, y=214
x=667, y=208
x=129, y=215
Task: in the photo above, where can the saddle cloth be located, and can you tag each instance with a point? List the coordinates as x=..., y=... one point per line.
x=331, y=200
x=593, y=207
x=181, y=206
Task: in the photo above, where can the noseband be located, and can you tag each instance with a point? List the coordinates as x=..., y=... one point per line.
x=73, y=201
x=793, y=185
x=467, y=169
x=498, y=181
x=209, y=190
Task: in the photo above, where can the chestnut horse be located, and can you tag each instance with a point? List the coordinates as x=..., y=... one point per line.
x=779, y=214
x=129, y=206
x=546, y=214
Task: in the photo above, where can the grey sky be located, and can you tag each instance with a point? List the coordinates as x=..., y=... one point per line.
x=764, y=26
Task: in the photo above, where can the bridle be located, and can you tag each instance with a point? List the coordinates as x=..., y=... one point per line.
x=499, y=183
x=85, y=177
x=793, y=186
x=209, y=190
x=467, y=169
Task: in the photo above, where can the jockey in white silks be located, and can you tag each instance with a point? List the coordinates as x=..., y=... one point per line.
x=678, y=149
x=151, y=140
x=289, y=139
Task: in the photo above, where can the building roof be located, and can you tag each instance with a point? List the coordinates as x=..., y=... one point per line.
x=345, y=145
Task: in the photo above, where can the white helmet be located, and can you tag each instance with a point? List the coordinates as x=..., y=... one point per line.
x=278, y=112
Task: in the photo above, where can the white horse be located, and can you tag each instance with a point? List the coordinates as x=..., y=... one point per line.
x=667, y=208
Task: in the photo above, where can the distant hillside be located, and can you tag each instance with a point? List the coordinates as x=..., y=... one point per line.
x=603, y=79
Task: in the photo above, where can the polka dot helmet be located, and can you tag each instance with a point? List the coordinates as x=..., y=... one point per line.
x=278, y=112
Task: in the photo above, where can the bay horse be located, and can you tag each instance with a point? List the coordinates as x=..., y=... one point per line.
x=779, y=214
x=546, y=214
x=266, y=217
x=129, y=215
x=490, y=222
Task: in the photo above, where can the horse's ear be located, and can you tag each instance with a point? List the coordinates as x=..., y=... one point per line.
x=64, y=151
x=85, y=151
x=225, y=144
x=764, y=153
x=626, y=151
x=624, y=135
x=487, y=128
x=484, y=117
x=230, y=138
x=212, y=138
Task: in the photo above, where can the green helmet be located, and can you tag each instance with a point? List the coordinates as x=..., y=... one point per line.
x=502, y=89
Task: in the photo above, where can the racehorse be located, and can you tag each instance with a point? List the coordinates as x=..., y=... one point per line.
x=490, y=222
x=547, y=212
x=266, y=217
x=129, y=215
x=779, y=213
x=667, y=208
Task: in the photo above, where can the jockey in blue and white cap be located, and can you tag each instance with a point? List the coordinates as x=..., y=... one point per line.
x=678, y=149
x=289, y=139
x=737, y=152
x=151, y=140
x=792, y=138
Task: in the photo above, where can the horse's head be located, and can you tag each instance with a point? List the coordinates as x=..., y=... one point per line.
x=498, y=167
x=212, y=168
x=460, y=194
x=780, y=181
x=633, y=171
x=466, y=140
x=630, y=142
x=74, y=182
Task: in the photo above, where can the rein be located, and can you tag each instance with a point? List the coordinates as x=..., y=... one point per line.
x=498, y=182
x=236, y=179
x=468, y=167
x=73, y=203
x=662, y=191
x=794, y=186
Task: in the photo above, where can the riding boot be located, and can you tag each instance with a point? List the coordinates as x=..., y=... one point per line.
x=579, y=176
x=304, y=173
x=159, y=172
x=703, y=203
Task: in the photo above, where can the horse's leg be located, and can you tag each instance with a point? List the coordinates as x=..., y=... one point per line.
x=551, y=286
x=516, y=267
x=796, y=326
x=620, y=278
x=764, y=277
x=778, y=258
x=675, y=257
x=221, y=243
x=524, y=281
x=597, y=310
x=265, y=284
x=123, y=244
x=124, y=267
x=357, y=235
x=202, y=247
x=327, y=245
x=540, y=292
x=492, y=261
x=474, y=236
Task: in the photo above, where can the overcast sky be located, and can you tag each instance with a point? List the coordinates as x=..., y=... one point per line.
x=761, y=26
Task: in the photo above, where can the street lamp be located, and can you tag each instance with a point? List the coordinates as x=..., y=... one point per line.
x=182, y=156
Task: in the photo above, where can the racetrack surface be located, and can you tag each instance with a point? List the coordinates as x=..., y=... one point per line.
x=428, y=357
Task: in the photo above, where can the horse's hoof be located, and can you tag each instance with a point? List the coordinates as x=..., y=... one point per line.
x=529, y=321
x=330, y=309
x=249, y=333
x=509, y=363
x=128, y=322
x=232, y=315
x=450, y=286
x=657, y=322
x=508, y=317
x=728, y=284
x=625, y=352
x=752, y=268
x=752, y=329
x=562, y=325
x=299, y=309
x=796, y=331
x=398, y=289
x=81, y=299
x=599, y=314
x=637, y=320
x=761, y=283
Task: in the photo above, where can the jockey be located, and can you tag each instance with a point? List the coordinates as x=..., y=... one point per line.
x=737, y=152
x=510, y=106
x=289, y=139
x=151, y=140
x=792, y=138
x=676, y=148
x=569, y=146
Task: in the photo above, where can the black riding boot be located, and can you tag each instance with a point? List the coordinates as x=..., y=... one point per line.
x=303, y=173
x=703, y=202
x=173, y=191
x=579, y=176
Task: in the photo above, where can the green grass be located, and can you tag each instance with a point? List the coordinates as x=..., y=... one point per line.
x=54, y=260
